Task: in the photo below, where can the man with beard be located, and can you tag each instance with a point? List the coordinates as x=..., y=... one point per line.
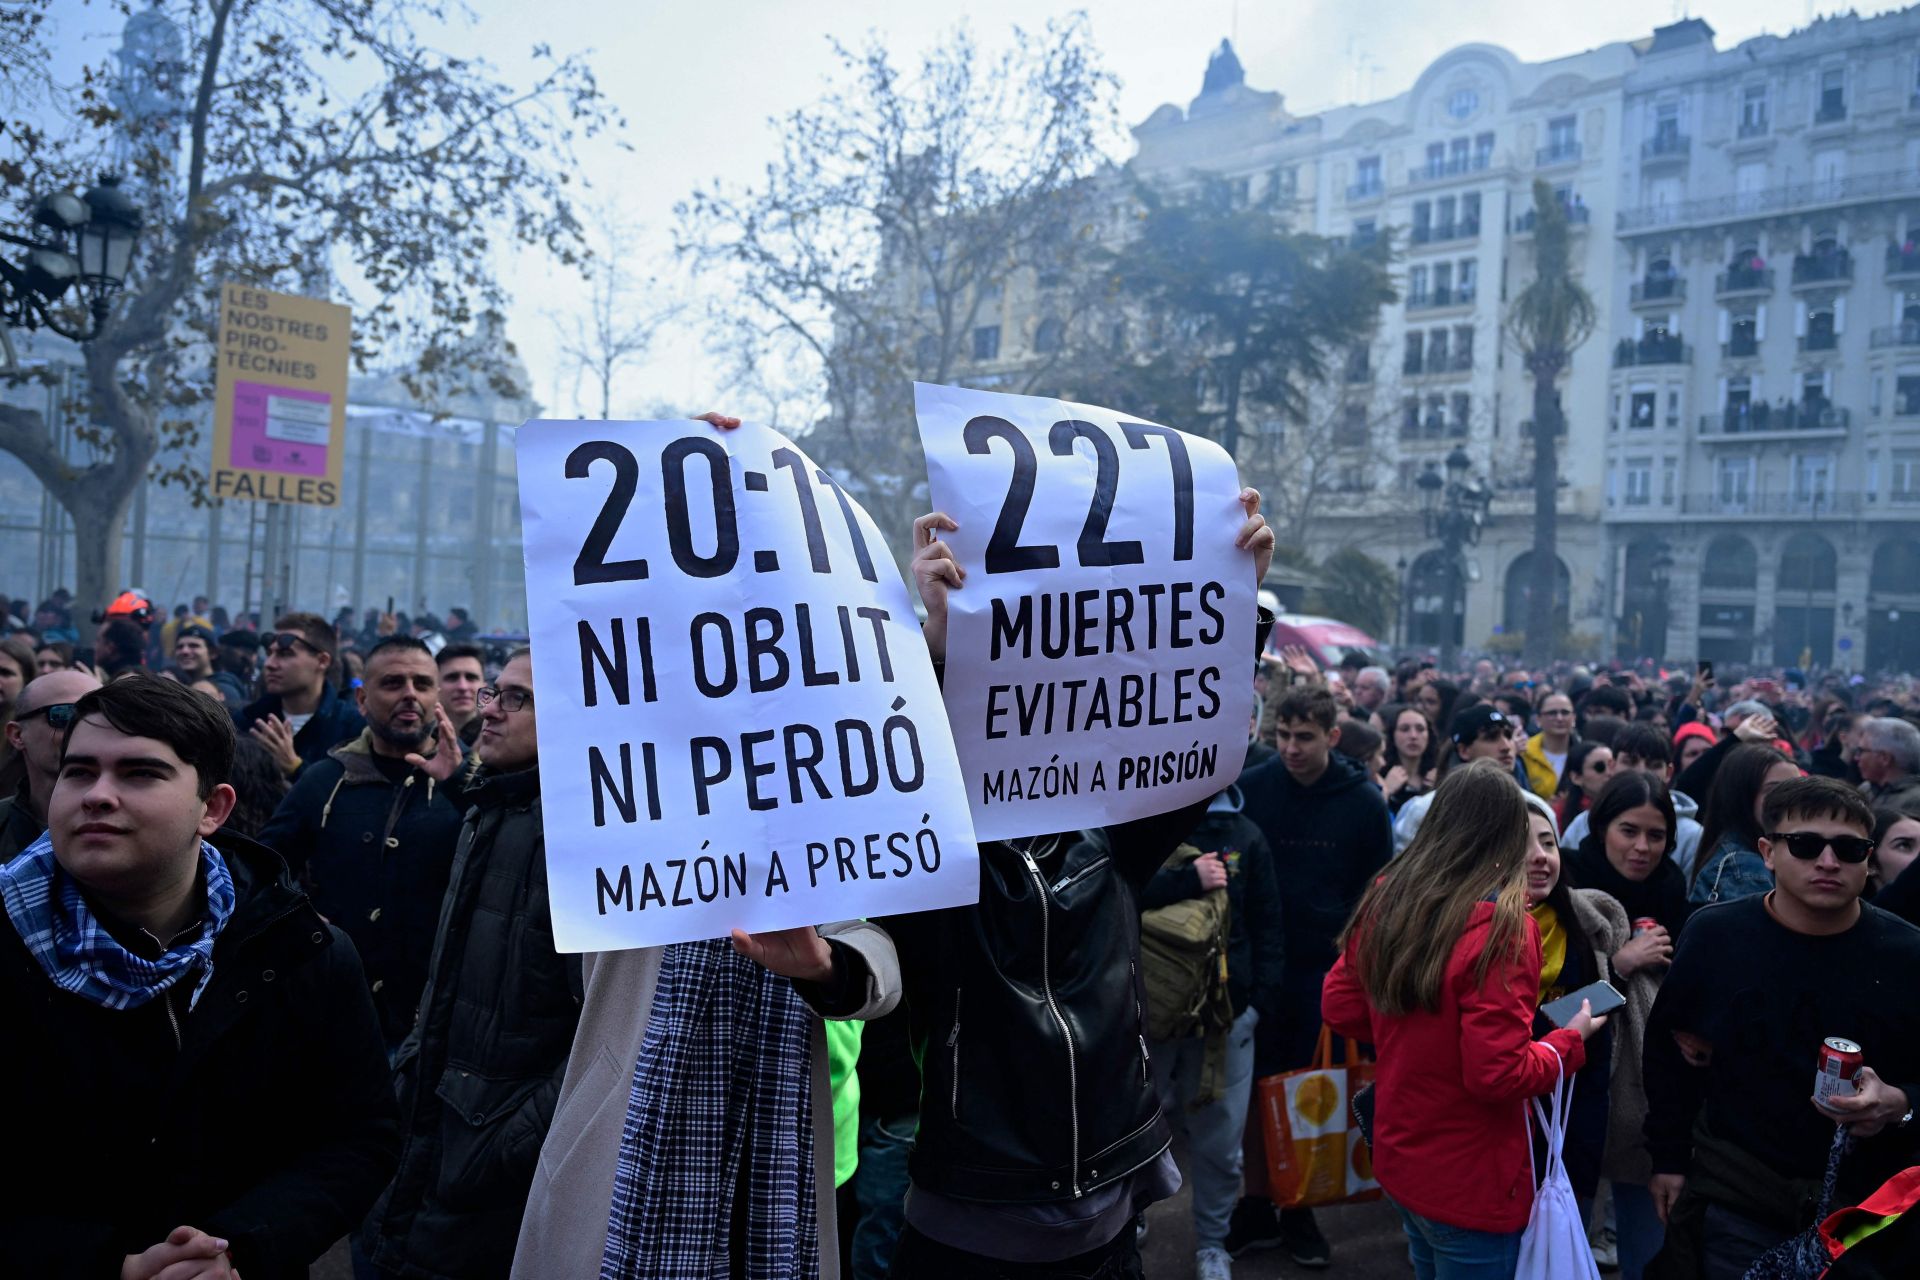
x=371, y=832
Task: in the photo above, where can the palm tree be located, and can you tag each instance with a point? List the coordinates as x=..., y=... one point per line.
x=1548, y=321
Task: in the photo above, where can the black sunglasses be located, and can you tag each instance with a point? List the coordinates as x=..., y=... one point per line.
x=287, y=639
x=1808, y=845
x=58, y=714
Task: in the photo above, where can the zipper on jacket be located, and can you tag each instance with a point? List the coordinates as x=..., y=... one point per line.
x=1066, y=1032
x=953, y=1043
x=1139, y=1021
x=173, y=1020
x=1082, y=873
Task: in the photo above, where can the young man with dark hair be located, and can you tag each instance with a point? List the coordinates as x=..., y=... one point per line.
x=193, y=652
x=177, y=991
x=119, y=646
x=1327, y=827
x=371, y=831
x=1757, y=984
x=300, y=718
x=1605, y=702
x=1641, y=748
x=462, y=671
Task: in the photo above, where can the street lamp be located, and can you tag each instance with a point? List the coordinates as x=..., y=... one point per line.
x=1453, y=511
x=88, y=241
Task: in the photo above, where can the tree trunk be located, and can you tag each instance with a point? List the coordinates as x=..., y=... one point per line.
x=1543, y=573
x=1230, y=425
x=99, y=523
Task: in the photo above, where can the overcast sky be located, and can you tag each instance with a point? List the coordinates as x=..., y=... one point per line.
x=698, y=83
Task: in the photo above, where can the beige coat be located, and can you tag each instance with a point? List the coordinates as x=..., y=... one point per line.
x=565, y=1228
x=1604, y=921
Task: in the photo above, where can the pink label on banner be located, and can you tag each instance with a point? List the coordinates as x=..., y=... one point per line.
x=280, y=429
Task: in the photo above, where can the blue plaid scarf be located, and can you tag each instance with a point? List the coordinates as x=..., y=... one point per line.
x=722, y=1099
x=79, y=955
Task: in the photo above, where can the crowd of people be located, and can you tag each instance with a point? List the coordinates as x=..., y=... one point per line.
x=282, y=960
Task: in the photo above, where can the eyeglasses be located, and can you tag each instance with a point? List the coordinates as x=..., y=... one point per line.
x=285, y=640
x=1808, y=845
x=59, y=714
x=511, y=700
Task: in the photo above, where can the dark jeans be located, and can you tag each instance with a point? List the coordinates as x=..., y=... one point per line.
x=880, y=1189
x=919, y=1258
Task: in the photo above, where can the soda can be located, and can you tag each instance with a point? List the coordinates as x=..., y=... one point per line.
x=1645, y=924
x=1840, y=1062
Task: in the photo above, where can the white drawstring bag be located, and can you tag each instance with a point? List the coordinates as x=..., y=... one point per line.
x=1555, y=1244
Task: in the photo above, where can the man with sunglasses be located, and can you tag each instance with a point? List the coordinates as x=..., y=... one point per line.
x=1739, y=1146
x=41, y=715
x=300, y=718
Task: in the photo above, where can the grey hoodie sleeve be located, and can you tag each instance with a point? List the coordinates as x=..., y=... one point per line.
x=873, y=969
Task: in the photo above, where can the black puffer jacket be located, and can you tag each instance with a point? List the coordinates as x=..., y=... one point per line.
x=1029, y=1018
x=481, y=1072
x=268, y=1121
x=373, y=840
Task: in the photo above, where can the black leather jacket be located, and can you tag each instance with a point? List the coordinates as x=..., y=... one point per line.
x=1029, y=1018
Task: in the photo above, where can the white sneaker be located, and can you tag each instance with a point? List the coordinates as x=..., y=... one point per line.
x=1213, y=1264
x=1606, y=1250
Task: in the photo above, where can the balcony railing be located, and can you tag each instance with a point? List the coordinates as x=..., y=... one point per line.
x=1556, y=153
x=1666, y=146
x=1577, y=215
x=1755, y=128
x=1902, y=262
x=1832, y=112
x=1434, y=299
x=1659, y=289
x=1740, y=348
x=1824, y=341
x=1743, y=280
x=1793, y=416
x=1453, y=167
x=1823, y=503
x=1370, y=189
x=1440, y=232
x=1896, y=335
x=1663, y=350
x=1774, y=200
x=1832, y=267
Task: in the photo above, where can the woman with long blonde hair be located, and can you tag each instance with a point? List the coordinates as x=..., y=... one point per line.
x=1440, y=971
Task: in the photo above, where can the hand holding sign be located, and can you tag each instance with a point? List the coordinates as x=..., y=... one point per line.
x=739, y=725
x=1098, y=669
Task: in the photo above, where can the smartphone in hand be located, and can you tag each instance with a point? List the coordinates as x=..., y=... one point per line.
x=1605, y=1000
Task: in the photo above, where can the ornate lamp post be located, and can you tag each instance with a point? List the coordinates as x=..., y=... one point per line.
x=87, y=244
x=1453, y=510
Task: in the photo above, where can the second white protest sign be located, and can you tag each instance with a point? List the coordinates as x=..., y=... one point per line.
x=738, y=721
x=1100, y=657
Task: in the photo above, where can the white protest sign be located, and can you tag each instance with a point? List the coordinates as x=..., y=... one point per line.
x=738, y=721
x=1100, y=657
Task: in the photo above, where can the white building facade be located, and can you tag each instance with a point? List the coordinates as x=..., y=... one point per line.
x=1763, y=436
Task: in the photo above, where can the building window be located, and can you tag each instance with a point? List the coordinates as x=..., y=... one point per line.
x=1482, y=150
x=1613, y=415
x=1666, y=126
x=1469, y=278
x=1753, y=110
x=1833, y=95
x=1436, y=423
x=1437, y=350
x=1669, y=481
x=990, y=293
x=1733, y=483
x=1820, y=332
x=1470, y=214
x=1673, y=408
x=1743, y=336
x=1812, y=473
x=1283, y=183
x=1462, y=413
x=1050, y=337
x=1903, y=476
x=1366, y=176
x=986, y=342
x=1643, y=407
x=1463, y=347
x=1416, y=286
x=1560, y=139
x=1414, y=361
x=1422, y=221
x=1410, y=419
x=1352, y=432
x=1906, y=395
x=1639, y=482
x=926, y=353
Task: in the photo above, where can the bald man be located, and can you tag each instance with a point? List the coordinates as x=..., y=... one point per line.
x=40, y=717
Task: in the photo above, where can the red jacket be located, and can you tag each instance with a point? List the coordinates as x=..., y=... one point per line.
x=1450, y=1137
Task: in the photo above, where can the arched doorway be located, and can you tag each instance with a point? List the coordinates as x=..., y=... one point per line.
x=1641, y=628
x=1436, y=604
x=1804, y=600
x=1519, y=592
x=1729, y=571
x=1893, y=606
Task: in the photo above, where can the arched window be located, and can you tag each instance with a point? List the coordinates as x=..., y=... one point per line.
x=1519, y=591
x=1050, y=337
x=1730, y=564
x=1807, y=563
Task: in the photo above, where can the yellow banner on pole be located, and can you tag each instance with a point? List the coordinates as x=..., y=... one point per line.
x=280, y=407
